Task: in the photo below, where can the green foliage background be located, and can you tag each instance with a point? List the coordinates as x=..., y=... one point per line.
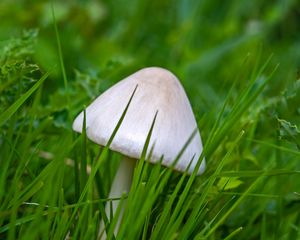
x=216, y=49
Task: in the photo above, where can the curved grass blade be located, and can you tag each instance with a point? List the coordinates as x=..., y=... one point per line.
x=97, y=164
x=17, y=104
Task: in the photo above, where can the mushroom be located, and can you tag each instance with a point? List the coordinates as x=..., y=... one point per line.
x=158, y=92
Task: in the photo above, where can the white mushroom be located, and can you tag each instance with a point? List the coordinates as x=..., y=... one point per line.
x=158, y=91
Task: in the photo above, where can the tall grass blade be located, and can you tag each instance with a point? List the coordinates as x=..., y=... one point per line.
x=60, y=54
x=97, y=163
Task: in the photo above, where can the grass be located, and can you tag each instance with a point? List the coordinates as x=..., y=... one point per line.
x=238, y=65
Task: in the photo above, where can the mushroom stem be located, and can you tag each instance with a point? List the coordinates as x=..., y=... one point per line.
x=120, y=185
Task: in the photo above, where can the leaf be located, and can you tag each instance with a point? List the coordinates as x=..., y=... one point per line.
x=226, y=183
x=289, y=132
x=292, y=91
x=20, y=47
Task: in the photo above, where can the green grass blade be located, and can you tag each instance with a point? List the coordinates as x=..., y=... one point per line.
x=164, y=219
x=61, y=60
x=17, y=104
x=224, y=216
x=189, y=226
x=83, y=162
x=97, y=163
x=234, y=233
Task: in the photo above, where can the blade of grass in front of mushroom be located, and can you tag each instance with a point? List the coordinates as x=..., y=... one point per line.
x=101, y=207
x=75, y=155
x=147, y=165
x=185, y=193
x=183, y=196
x=159, y=180
x=145, y=227
x=59, y=221
x=168, y=173
x=89, y=217
x=84, y=161
x=133, y=201
x=116, y=215
x=92, y=230
x=140, y=166
x=80, y=222
x=145, y=196
x=144, y=199
x=83, y=150
x=97, y=163
x=149, y=189
x=149, y=176
x=158, y=187
x=164, y=218
x=153, y=187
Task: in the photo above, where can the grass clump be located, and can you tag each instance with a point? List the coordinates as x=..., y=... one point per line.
x=54, y=183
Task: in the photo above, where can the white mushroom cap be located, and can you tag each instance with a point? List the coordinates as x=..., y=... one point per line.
x=158, y=90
